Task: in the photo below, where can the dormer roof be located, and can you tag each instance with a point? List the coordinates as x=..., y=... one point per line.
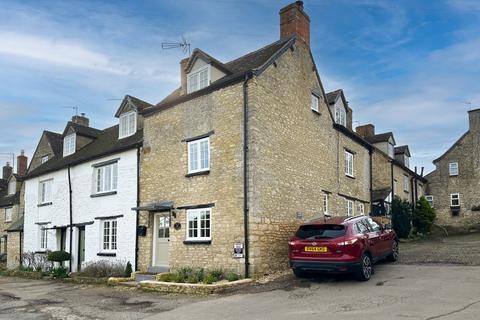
x=402, y=150
x=197, y=53
x=131, y=102
x=81, y=130
x=381, y=137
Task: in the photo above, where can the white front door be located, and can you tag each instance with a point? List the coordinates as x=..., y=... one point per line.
x=161, y=238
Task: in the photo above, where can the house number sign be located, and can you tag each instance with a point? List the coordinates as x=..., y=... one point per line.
x=238, y=250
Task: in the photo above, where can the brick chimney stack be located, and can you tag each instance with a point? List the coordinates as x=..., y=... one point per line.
x=293, y=20
x=22, y=161
x=81, y=120
x=7, y=171
x=183, y=76
x=367, y=130
x=474, y=120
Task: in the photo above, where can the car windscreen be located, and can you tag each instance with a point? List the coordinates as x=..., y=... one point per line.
x=322, y=231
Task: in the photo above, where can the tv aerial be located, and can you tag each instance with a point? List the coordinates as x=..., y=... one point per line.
x=183, y=45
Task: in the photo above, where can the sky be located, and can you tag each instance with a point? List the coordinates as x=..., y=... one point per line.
x=410, y=67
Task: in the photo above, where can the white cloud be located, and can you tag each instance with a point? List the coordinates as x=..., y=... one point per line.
x=57, y=51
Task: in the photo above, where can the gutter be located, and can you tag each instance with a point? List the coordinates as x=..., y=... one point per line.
x=71, y=217
x=370, y=155
x=248, y=76
x=138, y=205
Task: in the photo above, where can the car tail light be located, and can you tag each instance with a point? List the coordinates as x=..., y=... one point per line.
x=348, y=242
x=292, y=242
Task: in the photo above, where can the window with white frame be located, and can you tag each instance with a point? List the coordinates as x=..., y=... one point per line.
x=199, y=224
x=105, y=178
x=395, y=186
x=406, y=160
x=69, y=144
x=199, y=79
x=453, y=168
x=325, y=202
x=348, y=163
x=43, y=237
x=430, y=200
x=12, y=187
x=350, y=208
x=199, y=155
x=391, y=150
x=455, y=200
x=340, y=115
x=8, y=214
x=44, y=159
x=127, y=124
x=360, y=208
x=314, y=102
x=45, y=191
x=406, y=184
x=109, y=235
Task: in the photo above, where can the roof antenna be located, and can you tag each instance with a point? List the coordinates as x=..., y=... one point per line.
x=184, y=45
x=469, y=104
x=70, y=107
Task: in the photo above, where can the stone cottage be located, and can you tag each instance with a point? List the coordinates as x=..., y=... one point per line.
x=81, y=186
x=391, y=173
x=242, y=153
x=454, y=186
x=11, y=211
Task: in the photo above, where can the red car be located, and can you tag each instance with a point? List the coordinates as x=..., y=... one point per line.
x=342, y=244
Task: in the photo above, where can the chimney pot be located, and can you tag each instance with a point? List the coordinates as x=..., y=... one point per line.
x=22, y=162
x=293, y=20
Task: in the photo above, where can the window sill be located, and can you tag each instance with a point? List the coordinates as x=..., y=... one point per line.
x=200, y=173
x=406, y=191
x=454, y=175
x=106, y=254
x=44, y=204
x=40, y=251
x=103, y=194
x=349, y=176
x=316, y=111
x=197, y=242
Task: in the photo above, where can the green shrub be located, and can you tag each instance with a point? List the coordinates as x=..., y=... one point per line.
x=128, y=270
x=104, y=269
x=59, y=272
x=209, y=279
x=58, y=256
x=232, y=276
x=423, y=217
x=401, y=217
x=167, y=277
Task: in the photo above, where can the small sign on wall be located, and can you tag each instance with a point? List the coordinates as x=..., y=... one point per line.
x=238, y=250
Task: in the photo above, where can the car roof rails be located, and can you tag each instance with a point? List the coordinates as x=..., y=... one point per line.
x=354, y=217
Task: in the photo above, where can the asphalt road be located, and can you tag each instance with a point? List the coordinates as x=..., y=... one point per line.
x=396, y=291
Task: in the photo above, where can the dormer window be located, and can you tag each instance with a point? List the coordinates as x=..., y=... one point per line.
x=69, y=144
x=406, y=160
x=198, y=79
x=340, y=115
x=128, y=124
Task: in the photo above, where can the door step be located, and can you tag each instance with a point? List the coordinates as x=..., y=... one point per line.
x=144, y=276
x=157, y=269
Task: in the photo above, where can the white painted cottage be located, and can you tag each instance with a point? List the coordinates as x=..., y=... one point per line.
x=81, y=187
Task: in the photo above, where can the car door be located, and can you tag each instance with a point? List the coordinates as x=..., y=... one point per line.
x=386, y=238
x=374, y=238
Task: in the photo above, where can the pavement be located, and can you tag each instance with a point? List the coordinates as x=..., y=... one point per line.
x=413, y=289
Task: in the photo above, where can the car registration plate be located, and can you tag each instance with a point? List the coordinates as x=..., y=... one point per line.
x=316, y=249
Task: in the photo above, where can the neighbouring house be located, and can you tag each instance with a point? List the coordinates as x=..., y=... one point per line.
x=454, y=186
x=242, y=153
x=11, y=211
x=391, y=173
x=81, y=186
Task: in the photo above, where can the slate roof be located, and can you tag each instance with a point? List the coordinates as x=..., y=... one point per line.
x=3, y=187
x=238, y=68
x=17, y=225
x=56, y=141
x=138, y=103
x=104, y=144
x=381, y=194
x=10, y=200
x=381, y=137
x=82, y=130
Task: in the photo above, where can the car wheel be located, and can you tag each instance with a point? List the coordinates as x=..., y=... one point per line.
x=366, y=268
x=395, y=252
x=299, y=273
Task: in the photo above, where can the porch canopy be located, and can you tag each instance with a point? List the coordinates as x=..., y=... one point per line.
x=156, y=206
